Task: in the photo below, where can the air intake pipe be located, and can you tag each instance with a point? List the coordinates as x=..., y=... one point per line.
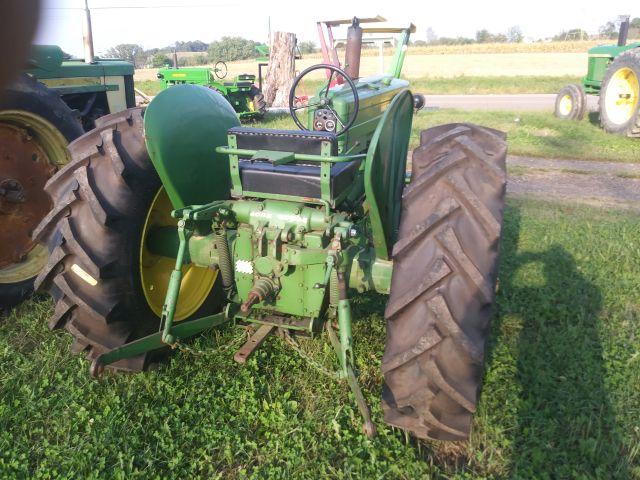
x=624, y=31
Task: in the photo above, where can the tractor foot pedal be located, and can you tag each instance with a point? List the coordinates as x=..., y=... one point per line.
x=253, y=343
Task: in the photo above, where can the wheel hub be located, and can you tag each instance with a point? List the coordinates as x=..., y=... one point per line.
x=25, y=169
x=622, y=96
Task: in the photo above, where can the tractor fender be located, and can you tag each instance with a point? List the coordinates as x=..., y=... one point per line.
x=183, y=125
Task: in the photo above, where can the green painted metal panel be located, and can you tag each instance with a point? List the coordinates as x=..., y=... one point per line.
x=183, y=126
x=385, y=170
x=47, y=61
x=599, y=59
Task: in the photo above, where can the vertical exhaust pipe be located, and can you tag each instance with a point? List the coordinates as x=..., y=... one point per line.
x=175, y=58
x=87, y=34
x=624, y=31
x=354, y=49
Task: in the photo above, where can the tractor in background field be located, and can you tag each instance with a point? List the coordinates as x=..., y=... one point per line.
x=614, y=76
x=181, y=220
x=52, y=103
x=242, y=93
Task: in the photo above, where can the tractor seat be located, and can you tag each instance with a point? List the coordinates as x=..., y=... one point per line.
x=300, y=178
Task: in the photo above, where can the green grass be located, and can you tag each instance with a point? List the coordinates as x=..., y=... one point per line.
x=467, y=85
x=535, y=134
x=561, y=396
x=457, y=85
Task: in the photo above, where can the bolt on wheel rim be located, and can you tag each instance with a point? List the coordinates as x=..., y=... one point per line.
x=155, y=270
x=31, y=150
x=621, y=97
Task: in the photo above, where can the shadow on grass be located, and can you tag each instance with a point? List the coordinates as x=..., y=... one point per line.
x=548, y=313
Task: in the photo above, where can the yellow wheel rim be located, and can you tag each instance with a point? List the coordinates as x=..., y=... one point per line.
x=621, y=96
x=565, y=105
x=51, y=146
x=155, y=270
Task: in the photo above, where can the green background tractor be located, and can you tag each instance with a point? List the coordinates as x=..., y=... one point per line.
x=163, y=229
x=54, y=102
x=613, y=75
x=242, y=93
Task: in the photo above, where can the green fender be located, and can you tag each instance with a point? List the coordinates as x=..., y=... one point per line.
x=183, y=125
x=384, y=172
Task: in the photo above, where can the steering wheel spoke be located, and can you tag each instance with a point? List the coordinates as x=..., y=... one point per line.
x=325, y=98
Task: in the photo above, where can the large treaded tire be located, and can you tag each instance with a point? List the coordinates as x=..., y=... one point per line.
x=442, y=289
x=577, y=101
x=29, y=95
x=100, y=200
x=631, y=60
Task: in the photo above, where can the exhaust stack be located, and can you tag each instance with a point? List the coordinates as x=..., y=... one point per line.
x=353, y=49
x=624, y=31
x=87, y=34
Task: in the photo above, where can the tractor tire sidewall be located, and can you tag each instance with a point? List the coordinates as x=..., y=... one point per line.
x=578, y=102
x=445, y=265
x=631, y=60
x=94, y=234
x=31, y=96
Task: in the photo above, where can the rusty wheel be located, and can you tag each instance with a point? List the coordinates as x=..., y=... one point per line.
x=35, y=127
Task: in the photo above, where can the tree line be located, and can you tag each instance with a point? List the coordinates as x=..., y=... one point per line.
x=226, y=49
x=237, y=48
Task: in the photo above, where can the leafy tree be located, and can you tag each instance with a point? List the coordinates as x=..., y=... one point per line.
x=191, y=46
x=307, y=47
x=130, y=52
x=419, y=43
x=160, y=60
x=514, y=35
x=573, y=34
x=485, y=36
x=232, y=48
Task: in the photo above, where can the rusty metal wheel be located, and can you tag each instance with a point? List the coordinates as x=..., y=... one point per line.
x=35, y=127
x=444, y=276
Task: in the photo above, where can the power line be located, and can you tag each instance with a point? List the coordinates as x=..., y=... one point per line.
x=144, y=7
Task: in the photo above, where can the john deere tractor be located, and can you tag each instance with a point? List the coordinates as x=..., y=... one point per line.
x=245, y=98
x=52, y=103
x=162, y=229
x=613, y=75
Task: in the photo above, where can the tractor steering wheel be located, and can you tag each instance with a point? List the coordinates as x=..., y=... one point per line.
x=322, y=103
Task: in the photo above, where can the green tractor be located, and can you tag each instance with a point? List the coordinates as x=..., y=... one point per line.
x=242, y=93
x=613, y=75
x=162, y=229
x=51, y=104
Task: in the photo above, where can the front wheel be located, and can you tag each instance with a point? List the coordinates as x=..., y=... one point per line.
x=571, y=103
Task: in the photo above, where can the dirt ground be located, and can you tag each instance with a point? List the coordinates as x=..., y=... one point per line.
x=595, y=183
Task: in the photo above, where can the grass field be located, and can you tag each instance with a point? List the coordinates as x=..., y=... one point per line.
x=535, y=134
x=461, y=85
x=446, y=65
x=561, y=396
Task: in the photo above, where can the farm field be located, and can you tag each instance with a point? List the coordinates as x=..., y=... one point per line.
x=561, y=396
x=449, y=65
x=461, y=85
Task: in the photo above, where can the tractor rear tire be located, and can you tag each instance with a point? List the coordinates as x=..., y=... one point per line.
x=257, y=98
x=620, y=95
x=442, y=289
x=571, y=103
x=30, y=106
x=94, y=234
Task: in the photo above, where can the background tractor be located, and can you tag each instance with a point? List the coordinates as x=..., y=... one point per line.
x=161, y=230
x=614, y=75
x=52, y=103
x=242, y=93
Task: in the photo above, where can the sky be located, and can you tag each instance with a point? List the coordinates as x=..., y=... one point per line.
x=159, y=23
